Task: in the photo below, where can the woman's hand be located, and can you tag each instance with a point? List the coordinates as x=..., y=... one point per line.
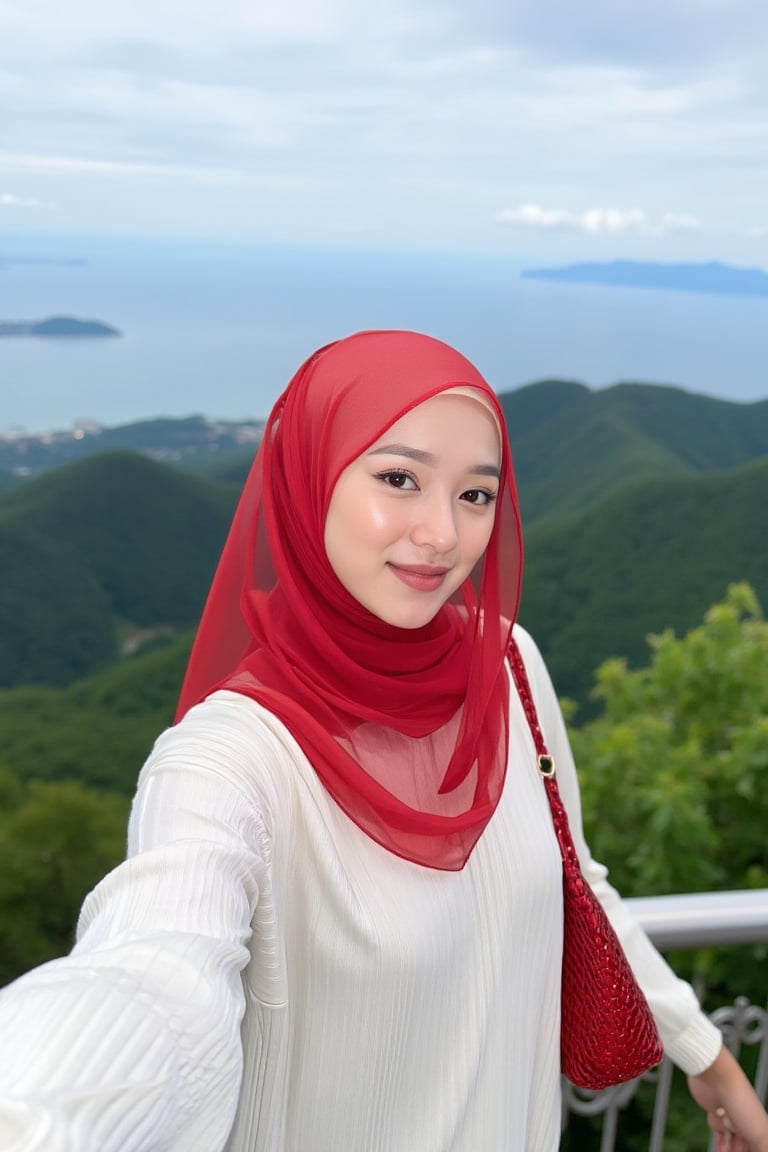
x=733, y=1110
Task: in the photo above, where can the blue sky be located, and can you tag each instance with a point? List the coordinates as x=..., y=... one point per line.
x=543, y=128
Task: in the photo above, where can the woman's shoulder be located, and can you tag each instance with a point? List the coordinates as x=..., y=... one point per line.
x=536, y=668
x=227, y=741
x=529, y=649
x=231, y=717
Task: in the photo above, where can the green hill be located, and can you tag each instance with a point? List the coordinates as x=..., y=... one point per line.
x=107, y=545
x=649, y=557
x=572, y=446
x=231, y=467
x=115, y=544
x=55, y=618
x=99, y=730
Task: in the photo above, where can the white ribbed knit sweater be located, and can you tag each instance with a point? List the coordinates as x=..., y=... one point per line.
x=260, y=976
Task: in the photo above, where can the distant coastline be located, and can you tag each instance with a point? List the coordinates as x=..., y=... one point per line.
x=712, y=278
x=57, y=326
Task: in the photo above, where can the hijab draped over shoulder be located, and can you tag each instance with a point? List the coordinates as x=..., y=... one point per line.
x=406, y=728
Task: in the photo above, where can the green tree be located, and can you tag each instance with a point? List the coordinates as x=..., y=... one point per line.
x=56, y=842
x=673, y=770
x=673, y=778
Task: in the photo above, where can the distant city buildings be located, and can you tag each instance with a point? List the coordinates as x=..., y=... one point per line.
x=25, y=453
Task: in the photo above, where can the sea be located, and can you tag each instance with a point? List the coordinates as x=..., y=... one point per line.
x=218, y=328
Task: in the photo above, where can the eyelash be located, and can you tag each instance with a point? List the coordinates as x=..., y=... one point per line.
x=391, y=473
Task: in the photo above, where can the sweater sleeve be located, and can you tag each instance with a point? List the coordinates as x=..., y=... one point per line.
x=690, y=1038
x=132, y=1042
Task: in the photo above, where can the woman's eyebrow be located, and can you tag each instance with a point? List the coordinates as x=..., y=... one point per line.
x=404, y=450
x=431, y=460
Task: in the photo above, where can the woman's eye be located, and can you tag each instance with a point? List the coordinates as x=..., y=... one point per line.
x=403, y=481
x=479, y=496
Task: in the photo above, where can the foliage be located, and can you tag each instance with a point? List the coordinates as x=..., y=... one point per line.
x=56, y=841
x=673, y=782
x=97, y=731
x=673, y=771
x=71, y=757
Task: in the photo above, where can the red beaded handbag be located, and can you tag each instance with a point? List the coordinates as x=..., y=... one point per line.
x=607, y=1034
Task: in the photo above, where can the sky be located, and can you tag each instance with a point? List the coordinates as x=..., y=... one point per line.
x=545, y=129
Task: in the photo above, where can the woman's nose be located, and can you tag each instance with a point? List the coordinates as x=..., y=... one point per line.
x=435, y=525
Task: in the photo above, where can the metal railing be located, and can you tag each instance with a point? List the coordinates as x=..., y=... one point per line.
x=696, y=920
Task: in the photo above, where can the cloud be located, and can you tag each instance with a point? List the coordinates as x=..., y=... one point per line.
x=8, y=200
x=657, y=39
x=16, y=161
x=410, y=120
x=680, y=222
x=593, y=221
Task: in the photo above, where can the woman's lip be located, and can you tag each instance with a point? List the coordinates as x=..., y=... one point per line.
x=422, y=577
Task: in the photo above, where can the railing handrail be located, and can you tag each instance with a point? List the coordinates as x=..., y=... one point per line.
x=702, y=919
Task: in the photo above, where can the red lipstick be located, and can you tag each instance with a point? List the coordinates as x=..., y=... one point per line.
x=421, y=577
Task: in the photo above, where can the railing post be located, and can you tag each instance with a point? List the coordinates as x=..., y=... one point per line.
x=661, y=1105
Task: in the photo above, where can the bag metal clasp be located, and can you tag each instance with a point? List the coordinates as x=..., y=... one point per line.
x=547, y=764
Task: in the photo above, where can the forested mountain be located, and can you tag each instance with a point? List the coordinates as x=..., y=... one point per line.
x=633, y=523
x=571, y=446
x=98, y=549
x=649, y=557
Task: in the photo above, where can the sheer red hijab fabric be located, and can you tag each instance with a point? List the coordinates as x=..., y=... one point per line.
x=406, y=728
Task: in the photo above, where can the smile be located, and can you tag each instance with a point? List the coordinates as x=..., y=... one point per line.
x=422, y=577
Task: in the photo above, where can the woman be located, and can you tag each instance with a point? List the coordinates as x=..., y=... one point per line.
x=340, y=923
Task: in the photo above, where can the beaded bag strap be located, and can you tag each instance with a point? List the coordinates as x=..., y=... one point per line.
x=546, y=767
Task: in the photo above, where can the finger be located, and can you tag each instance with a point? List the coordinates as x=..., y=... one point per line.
x=720, y=1121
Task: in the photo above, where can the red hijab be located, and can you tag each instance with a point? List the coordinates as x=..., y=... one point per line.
x=406, y=728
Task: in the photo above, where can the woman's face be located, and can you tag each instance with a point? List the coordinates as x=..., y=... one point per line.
x=409, y=519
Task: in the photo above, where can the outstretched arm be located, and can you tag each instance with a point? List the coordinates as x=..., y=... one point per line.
x=132, y=1042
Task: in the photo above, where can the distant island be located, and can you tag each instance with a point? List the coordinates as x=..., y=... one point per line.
x=57, y=326
x=714, y=278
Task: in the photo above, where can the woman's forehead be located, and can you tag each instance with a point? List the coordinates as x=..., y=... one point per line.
x=462, y=413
